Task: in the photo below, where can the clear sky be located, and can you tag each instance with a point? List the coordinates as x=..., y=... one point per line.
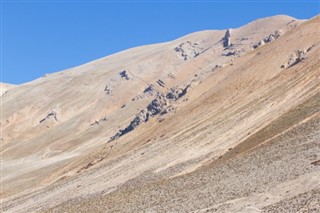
x=41, y=37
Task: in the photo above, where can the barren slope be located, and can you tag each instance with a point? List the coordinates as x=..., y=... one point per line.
x=206, y=122
x=5, y=87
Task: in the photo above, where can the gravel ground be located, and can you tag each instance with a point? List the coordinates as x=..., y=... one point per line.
x=286, y=157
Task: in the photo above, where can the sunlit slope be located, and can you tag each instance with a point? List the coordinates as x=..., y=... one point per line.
x=137, y=123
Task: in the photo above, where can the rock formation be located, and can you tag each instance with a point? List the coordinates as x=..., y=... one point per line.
x=294, y=58
x=227, y=39
x=188, y=50
x=268, y=39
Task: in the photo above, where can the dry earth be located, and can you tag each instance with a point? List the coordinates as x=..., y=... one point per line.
x=215, y=121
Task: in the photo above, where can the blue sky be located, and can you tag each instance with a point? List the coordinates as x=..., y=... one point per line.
x=41, y=37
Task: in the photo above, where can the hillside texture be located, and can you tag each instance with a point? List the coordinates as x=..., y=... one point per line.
x=216, y=121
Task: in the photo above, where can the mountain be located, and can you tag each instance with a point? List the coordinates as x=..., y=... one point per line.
x=215, y=121
x=5, y=87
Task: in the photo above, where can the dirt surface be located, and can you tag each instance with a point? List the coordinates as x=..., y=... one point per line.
x=215, y=121
x=286, y=173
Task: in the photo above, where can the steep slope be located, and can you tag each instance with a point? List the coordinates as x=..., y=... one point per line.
x=131, y=129
x=5, y=87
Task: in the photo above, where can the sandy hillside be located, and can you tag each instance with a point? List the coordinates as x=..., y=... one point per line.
x=215, y=121
x=5, y=87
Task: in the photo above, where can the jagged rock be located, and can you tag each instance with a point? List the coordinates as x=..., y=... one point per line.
x=155, y=107
x=273, y=36
x=187, y=50
x=227, y=39
x=260, y=43
x=149, y=89
x=124, y=75
x=295, y=58
x=175, y=93
x=141, y=117
x=171, y=95
x=268, y=39
x=158, y=106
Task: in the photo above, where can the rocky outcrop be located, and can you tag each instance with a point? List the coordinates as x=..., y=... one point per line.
x=272, y=37
x=141, y=117
x=267, y=39
x=149, y=89
x=124, y=75
x=155, y=107
x=295, y=58
x=160, y=105
x=258, y=44
x=175, y=93
x=233, y=50
x=227, y=39
x=147, y=92
x=188, y=50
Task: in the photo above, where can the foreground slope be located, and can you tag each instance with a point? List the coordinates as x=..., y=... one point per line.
x=223, y=125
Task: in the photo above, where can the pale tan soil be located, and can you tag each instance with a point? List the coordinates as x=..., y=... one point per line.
x=244, y=138
x=285, y=172
x=5, y=87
